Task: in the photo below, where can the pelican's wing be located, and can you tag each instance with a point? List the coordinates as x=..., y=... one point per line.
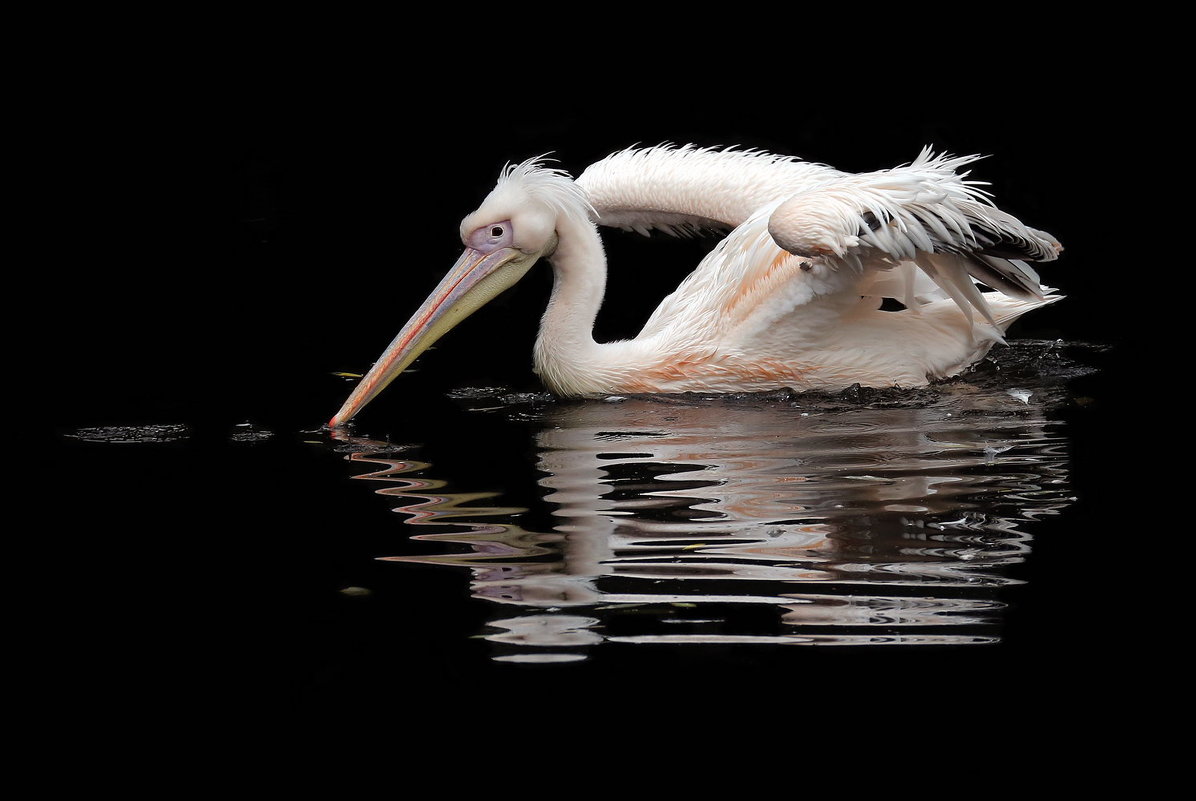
x=687, y=189
x=924, y=218
x=924, y=214
x=746, y=278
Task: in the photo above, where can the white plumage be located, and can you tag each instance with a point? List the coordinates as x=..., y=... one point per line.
x=791, y=297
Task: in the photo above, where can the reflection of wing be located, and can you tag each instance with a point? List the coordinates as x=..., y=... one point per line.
x=841, y=518
x=727, y=468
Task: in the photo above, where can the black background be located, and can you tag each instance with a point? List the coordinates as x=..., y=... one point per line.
x=215, y=239
x=288, y=225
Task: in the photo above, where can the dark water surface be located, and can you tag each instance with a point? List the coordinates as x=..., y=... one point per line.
x=492, y=542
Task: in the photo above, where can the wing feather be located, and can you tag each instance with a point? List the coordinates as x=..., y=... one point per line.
x=923, y=218
x=926, y=213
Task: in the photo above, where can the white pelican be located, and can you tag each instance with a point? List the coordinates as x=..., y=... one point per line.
x=790, y=298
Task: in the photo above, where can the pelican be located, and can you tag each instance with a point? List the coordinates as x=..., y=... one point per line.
x=790, y=298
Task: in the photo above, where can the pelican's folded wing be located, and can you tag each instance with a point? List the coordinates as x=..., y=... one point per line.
x=924, y=213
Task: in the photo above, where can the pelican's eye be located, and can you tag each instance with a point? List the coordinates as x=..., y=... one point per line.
x=491, y=237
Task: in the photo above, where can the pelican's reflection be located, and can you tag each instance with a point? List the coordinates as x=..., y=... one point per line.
x=768, y=520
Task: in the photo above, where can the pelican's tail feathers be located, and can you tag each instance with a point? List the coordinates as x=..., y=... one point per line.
x=1006, y=309
x=1012, y=277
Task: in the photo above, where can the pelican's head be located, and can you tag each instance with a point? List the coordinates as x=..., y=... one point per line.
x=514, y=226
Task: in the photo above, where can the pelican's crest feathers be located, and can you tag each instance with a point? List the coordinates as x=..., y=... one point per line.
x=550, y=186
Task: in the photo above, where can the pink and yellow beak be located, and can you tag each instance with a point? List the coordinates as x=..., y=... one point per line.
x=476, y=279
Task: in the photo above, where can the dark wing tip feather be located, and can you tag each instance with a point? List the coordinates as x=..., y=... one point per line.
x=1008, y=276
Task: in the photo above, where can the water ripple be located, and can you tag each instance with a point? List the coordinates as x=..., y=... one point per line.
x=865, y=519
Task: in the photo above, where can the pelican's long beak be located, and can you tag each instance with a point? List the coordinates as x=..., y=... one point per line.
x=473, y=281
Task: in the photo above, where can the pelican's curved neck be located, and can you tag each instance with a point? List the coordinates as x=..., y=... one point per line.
x=565, y=345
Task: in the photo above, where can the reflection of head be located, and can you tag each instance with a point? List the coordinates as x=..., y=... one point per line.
x=539, y=590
